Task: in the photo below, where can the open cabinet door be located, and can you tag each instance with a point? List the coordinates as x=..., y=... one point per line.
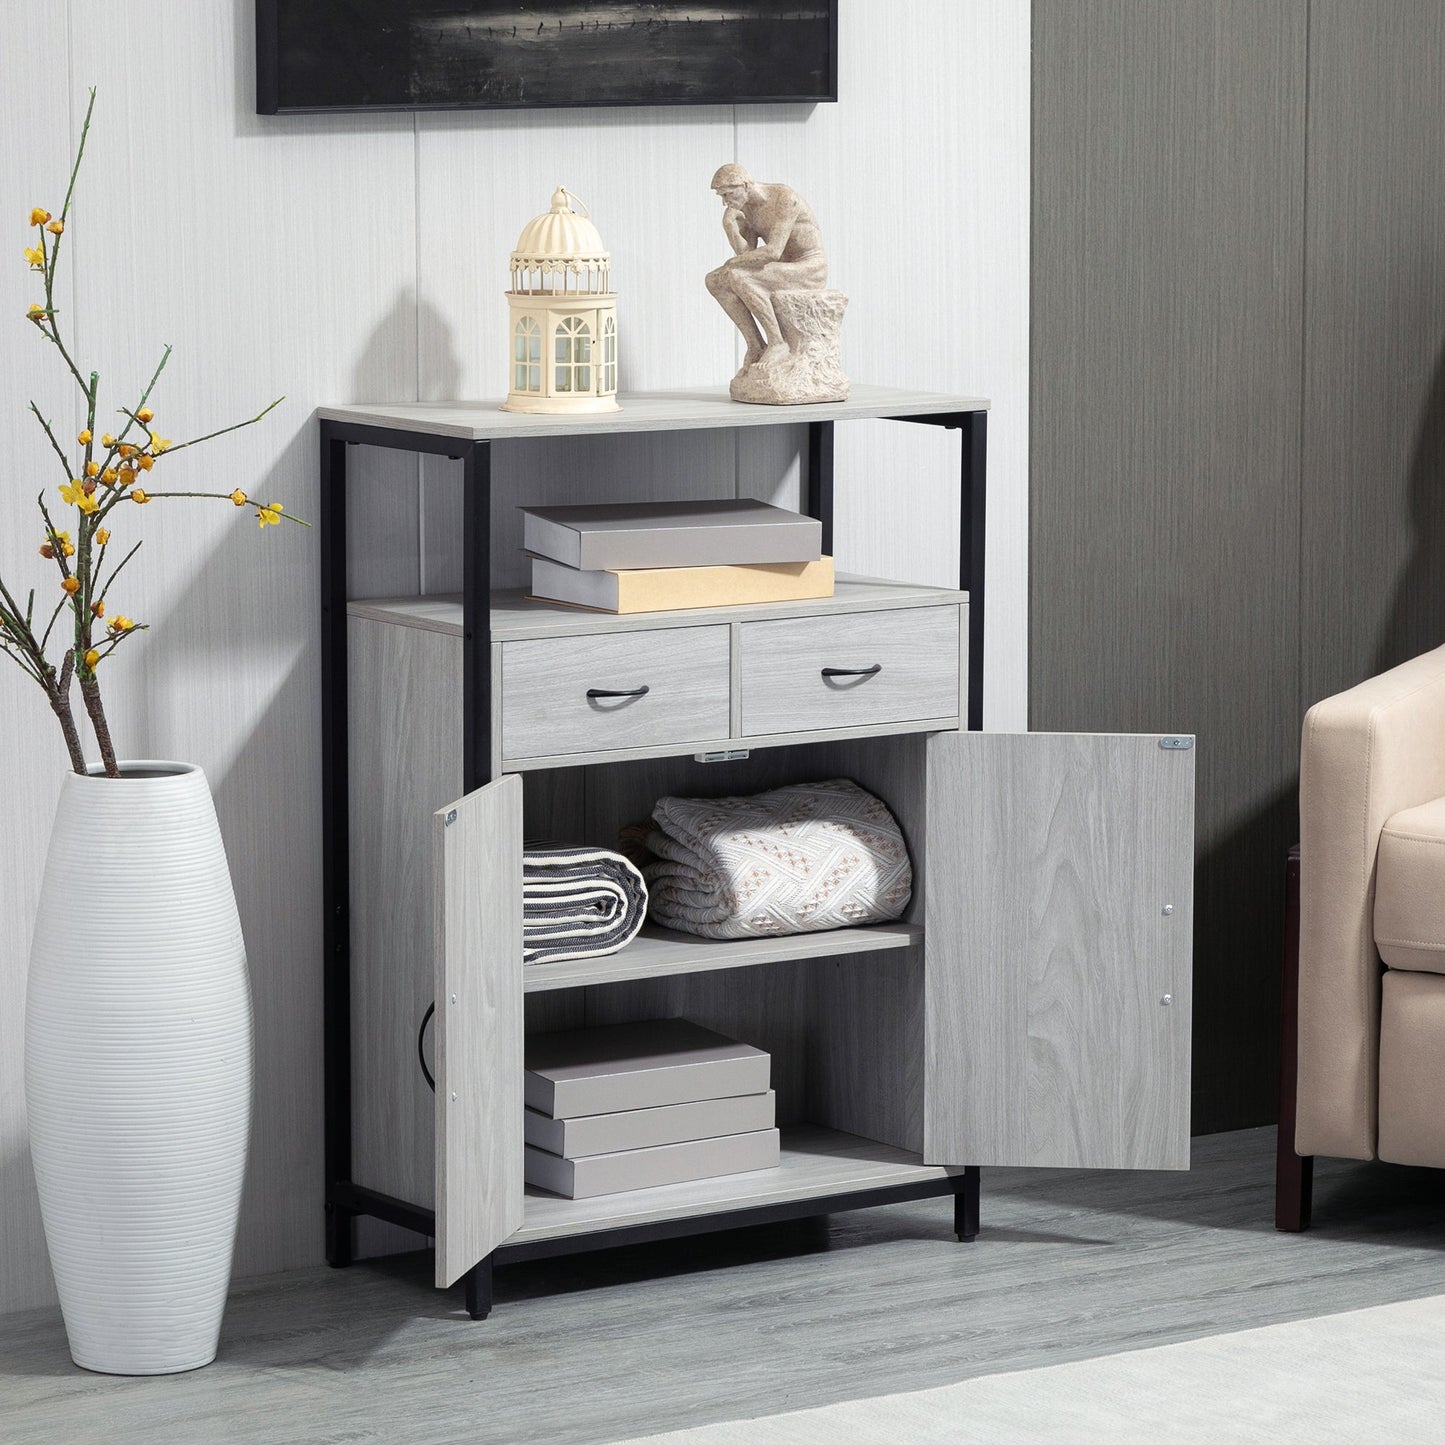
x=477, y=864
x=1058, y=919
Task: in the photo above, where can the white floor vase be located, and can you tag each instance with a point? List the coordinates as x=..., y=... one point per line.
x=138, y=1067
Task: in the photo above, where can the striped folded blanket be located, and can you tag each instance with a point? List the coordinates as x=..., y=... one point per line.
x=578, y=902
x=796, y=860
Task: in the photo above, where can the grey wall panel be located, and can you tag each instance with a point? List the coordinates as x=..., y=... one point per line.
x=1373, y=480
x=1168, y=220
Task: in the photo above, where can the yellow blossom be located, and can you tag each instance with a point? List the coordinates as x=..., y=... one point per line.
x=84, y=437
x=55, y=227
x=91, y=658
x=75, y=495
x=107, y=440
x=102, y=535
x=71, y=586
x=270, y=515
x=144, y=462
x=36, y=312
x=159, y=444
x=39, y=217
x=144, y=415
x=126, y=450
x=110, y=476
x=92, y=469
x=98, y=608
x=140, y=496
x=36, y=257
x=121, y=624
x=239, y=497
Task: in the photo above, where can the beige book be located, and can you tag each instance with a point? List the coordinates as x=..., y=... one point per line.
x=667, y=589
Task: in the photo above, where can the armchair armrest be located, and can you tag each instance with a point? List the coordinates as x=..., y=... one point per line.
x=1366, y=754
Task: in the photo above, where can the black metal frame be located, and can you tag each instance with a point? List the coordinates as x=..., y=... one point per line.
x=346, y=1201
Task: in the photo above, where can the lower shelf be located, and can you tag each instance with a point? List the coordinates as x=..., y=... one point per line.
x=659, y=952
x=815, y=1163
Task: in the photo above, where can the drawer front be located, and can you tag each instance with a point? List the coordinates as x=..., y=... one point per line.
x=784, y=688
x=546, y=710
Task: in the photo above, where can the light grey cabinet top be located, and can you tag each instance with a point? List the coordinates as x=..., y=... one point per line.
x=697, y=409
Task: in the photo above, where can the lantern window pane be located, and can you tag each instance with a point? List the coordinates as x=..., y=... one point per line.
x=584, y=378
x=534, y=378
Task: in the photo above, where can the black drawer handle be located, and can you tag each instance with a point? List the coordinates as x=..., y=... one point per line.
x=853, y=671
x=604, y=692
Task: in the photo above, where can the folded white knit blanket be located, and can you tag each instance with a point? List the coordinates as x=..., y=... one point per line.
x=795, y=860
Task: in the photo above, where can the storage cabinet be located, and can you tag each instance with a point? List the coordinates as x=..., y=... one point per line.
x=1032, y=1007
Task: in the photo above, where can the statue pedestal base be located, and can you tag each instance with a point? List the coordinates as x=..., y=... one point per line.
x=811, y=322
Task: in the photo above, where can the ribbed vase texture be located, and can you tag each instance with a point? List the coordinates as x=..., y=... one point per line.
x=138, y=1067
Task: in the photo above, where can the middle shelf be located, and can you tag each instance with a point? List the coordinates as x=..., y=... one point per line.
x=659, y=952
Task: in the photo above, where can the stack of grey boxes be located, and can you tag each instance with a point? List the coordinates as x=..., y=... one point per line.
x=635, y=1106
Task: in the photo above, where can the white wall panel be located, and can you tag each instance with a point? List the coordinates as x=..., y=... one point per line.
x=920, y=180
x=33, y=160
x=363, y=259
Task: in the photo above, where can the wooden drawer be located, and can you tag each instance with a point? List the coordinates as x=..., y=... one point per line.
x=546, y=710
x=782, y=664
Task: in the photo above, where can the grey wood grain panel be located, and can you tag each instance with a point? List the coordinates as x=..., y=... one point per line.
x=405, y=763
x=515, y=616
x=477, y=880
x=744, y=742
x=546, y=709
x=1059, y=919
x=1372, y=586
x=1167, y=264
x=815, y=1161
x=864, y=1074
x=699, y=409
x=661, y=951
x=782, y=662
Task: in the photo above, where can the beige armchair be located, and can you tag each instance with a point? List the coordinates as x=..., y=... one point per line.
x=1363, y=1070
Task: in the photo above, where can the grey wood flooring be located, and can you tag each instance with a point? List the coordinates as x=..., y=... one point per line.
x=631, y=1342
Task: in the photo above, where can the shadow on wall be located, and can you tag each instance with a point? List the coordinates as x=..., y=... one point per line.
x=1416, y=621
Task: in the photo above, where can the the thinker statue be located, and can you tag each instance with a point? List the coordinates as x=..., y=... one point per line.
x=772, y=287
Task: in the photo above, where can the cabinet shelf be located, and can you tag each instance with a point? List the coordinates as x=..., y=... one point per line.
x=816, y=1163
x=515, y=616
x=659, y=952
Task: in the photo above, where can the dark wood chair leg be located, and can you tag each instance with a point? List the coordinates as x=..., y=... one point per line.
x=1293, y=1174
x=479, y=1289
x=965, y=1206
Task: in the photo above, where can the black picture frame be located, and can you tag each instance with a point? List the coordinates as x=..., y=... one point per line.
x=321, y=56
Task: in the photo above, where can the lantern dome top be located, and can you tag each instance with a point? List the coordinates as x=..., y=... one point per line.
x=560, y=239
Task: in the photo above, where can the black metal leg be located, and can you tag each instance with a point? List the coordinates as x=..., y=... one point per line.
x=1293, y=1176
x=820, y=479
x=336, y=964
x=477, y=616
x=479, y=1289
x=340, y=1236
x=965, y=1206
x=972, y=512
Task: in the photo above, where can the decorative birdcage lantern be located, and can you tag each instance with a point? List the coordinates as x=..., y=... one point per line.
x=563, y=315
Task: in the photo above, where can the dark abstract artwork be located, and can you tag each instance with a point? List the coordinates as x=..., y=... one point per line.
x=419, y=54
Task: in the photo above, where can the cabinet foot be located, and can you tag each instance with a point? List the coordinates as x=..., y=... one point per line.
x=479, y=1289
x=965, y=1206
x=340, y=1236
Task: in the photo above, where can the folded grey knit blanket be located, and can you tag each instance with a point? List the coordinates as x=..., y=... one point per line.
x=578, y=902
x=799, y=859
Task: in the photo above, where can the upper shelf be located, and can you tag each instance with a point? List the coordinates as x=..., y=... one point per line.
x=515, y=616
x=698, y=409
